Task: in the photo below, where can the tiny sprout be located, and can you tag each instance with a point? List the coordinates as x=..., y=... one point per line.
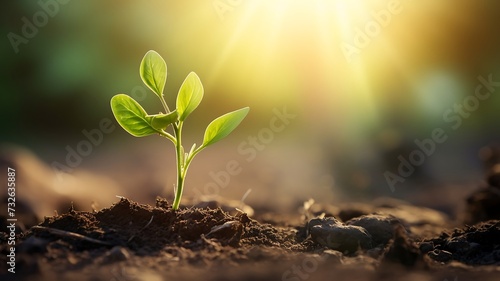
x=134, y=119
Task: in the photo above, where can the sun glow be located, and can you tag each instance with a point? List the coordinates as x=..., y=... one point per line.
x=297, y=46
x=351, y=58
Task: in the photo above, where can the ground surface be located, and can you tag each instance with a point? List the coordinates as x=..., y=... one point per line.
x=130, y=241
x=385, y=239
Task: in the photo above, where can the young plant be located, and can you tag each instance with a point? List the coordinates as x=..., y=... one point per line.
x=134, y=119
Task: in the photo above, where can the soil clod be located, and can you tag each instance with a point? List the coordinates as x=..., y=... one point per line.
x=121, y=241
x=345, y=238
x=381, y=228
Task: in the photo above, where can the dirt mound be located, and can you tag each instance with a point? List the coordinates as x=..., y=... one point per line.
x=473, y=245
x=131, y=241
x=146, y=229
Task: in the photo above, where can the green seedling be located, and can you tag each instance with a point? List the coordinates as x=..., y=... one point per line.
x=134, y=119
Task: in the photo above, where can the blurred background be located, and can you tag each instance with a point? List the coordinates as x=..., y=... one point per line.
x=360, y=81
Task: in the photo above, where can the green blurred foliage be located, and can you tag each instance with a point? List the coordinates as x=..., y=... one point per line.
x=61, y=81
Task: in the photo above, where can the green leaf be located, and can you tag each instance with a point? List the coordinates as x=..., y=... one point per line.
x=223, y=126
x=153, y=71
x=162, y=120
x=190, y=95
x=131, y=116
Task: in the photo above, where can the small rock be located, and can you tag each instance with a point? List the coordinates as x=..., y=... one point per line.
x=426, y=247
x=345, y=238
x=380, y=227
x=440, y=255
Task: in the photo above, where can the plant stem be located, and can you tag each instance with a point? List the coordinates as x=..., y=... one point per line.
x=180, y=168
x=183, y=163
x=164, y=103
x=168, y=136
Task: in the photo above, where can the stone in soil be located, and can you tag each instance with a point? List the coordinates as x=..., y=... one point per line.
x=331, y=233
x=379, y=227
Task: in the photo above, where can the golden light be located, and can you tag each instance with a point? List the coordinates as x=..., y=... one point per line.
x=300, y=38
x=340, y=60
x=294, y=49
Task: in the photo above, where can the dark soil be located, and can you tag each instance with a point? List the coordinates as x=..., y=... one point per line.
x=130, y=241
x=387, y=239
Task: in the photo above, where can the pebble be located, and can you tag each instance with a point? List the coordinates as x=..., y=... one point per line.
x=331, y=233
x=426, y=247
x=379, y=227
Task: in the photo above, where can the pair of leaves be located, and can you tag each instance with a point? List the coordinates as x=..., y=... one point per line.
x=153, y=71
x=134, y=119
